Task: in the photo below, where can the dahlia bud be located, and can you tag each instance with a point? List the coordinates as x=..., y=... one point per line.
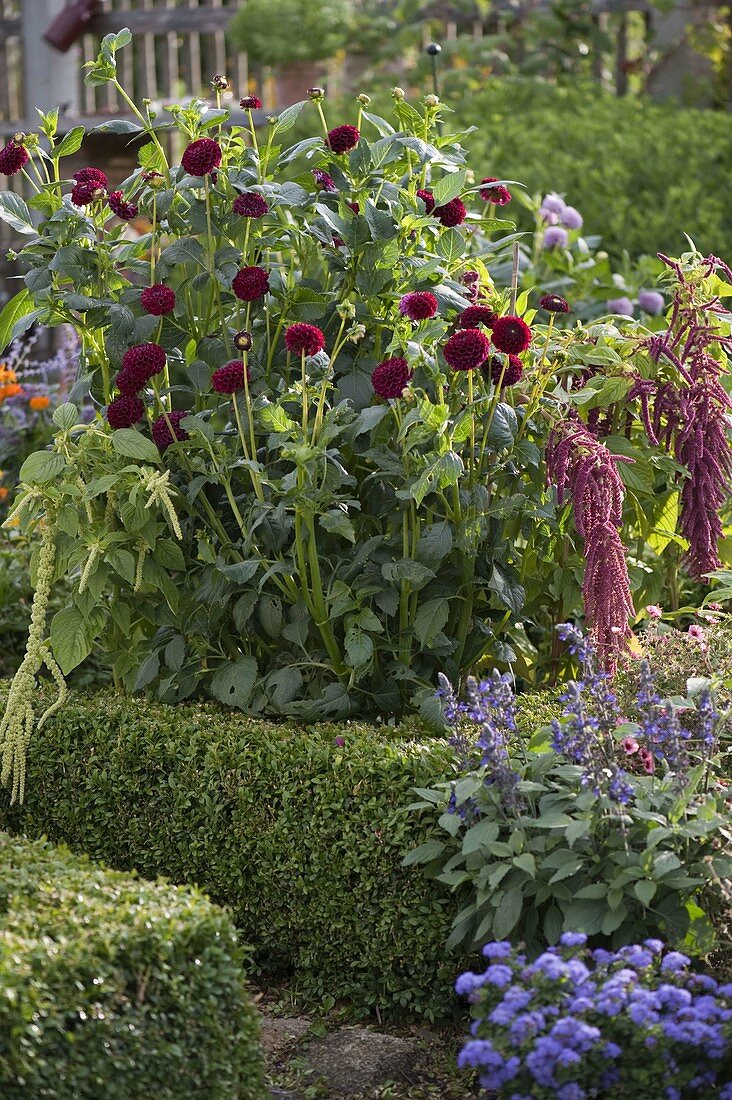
x=431, y=101
x=243, y=340
x=153, y=178
x=356, y=334
x=346, y=310
x=219, y=83
x=272, y=120
x=397, y=93
x=20, y=138
x=433, y=49
x=364, y=99
x=316, y=94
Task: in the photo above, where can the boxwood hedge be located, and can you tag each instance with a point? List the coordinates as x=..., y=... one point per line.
x=300, y=836
x=117, y=988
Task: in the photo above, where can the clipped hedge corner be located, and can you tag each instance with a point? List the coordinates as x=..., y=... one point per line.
x=303, y=839
x=117, y=988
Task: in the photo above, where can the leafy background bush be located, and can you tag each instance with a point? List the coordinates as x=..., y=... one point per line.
x=301, y=838
x=103, y=974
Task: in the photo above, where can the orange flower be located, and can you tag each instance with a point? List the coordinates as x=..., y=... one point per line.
x=7, y=375
x=4, y=493
x=39, y=402
x=10, y=391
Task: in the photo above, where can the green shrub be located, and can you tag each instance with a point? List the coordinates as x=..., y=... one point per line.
x=301, y=838
x=612, y=157
x=117, y=988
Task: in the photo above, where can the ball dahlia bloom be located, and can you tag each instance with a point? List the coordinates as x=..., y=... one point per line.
x=125, y=411
x=419, y=305
x=250, y=103
x=473, y=316
x=250, y=205
x=250, y=283
x=451, y=213
x=555, y=236
x=390, y=378
x=243, y=340
x=90, y=184
x=124, y=210
x=428, y=200
x=621, y=305
x=343, y=138
x=201, y=157
x=302, y=338
x=554, y=303
x=651, y=301
x=511, y=335
x=229, y=378
x=466, y=349
x=13, y=158
x=323, y=181
x=499, y=196
x=130, y=380
x=143, y=361
x=161, y=431
x=158, y=300
x=507, y=371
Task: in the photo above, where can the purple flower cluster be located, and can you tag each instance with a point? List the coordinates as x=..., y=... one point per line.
x=491, y=707
x=576, y=1023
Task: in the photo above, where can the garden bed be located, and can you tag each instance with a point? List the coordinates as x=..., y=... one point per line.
x=103, y=973
x=300, y=835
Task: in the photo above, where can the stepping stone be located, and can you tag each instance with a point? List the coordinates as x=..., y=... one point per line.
x=278, y=1035
x=354, y=1059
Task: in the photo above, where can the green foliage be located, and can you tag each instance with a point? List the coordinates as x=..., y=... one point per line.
x=277, y=32
x=612, y=158
x=300, y=838
x=116, y=987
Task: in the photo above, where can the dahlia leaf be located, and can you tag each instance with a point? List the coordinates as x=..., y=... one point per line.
x=287, y=118
x=232, y=684
x=15, y=212
x=70, y=143
x=449, y=187
x=18, y=307
x=430, y=620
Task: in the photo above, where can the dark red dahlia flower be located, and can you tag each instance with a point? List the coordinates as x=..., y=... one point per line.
x=323, y=181
x=229, y=378
x=91, y=184
x=452, y=213
x=471, y=280
x=511, y=369
x=301, y=337
x=511, y=334
x=476, y=315
x=554, y=303
x=390, y=377
x=13, y=158
x=123, y=209
x=143, y=360
x=243, y=340
x=250, y=205
x=158, y=300
x=499, y=196
x=343, y=138
x=419, y=305
x=250, y=103
x=201, y=157
x=161, y=432
x=427, y=199
x=250, y=283
x=130, y=380
x=355, y=207
x=125, y=411
x=467, y=349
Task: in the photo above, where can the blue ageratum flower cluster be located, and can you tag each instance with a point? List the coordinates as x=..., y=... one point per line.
x=576, y=1024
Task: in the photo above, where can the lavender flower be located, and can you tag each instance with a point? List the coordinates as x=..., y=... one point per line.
x=555, y=237
x=651, y=301
x=622, y=305
x=571, y=218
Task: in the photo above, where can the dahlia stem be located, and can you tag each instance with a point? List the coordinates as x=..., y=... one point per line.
x=471, y=466
x=149, y=128
x=514, y=278
x=319, y=107
x=304, y=382
x=255, y=144
x=326, y=381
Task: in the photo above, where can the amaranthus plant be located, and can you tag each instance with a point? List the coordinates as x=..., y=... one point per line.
x=315, y=476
